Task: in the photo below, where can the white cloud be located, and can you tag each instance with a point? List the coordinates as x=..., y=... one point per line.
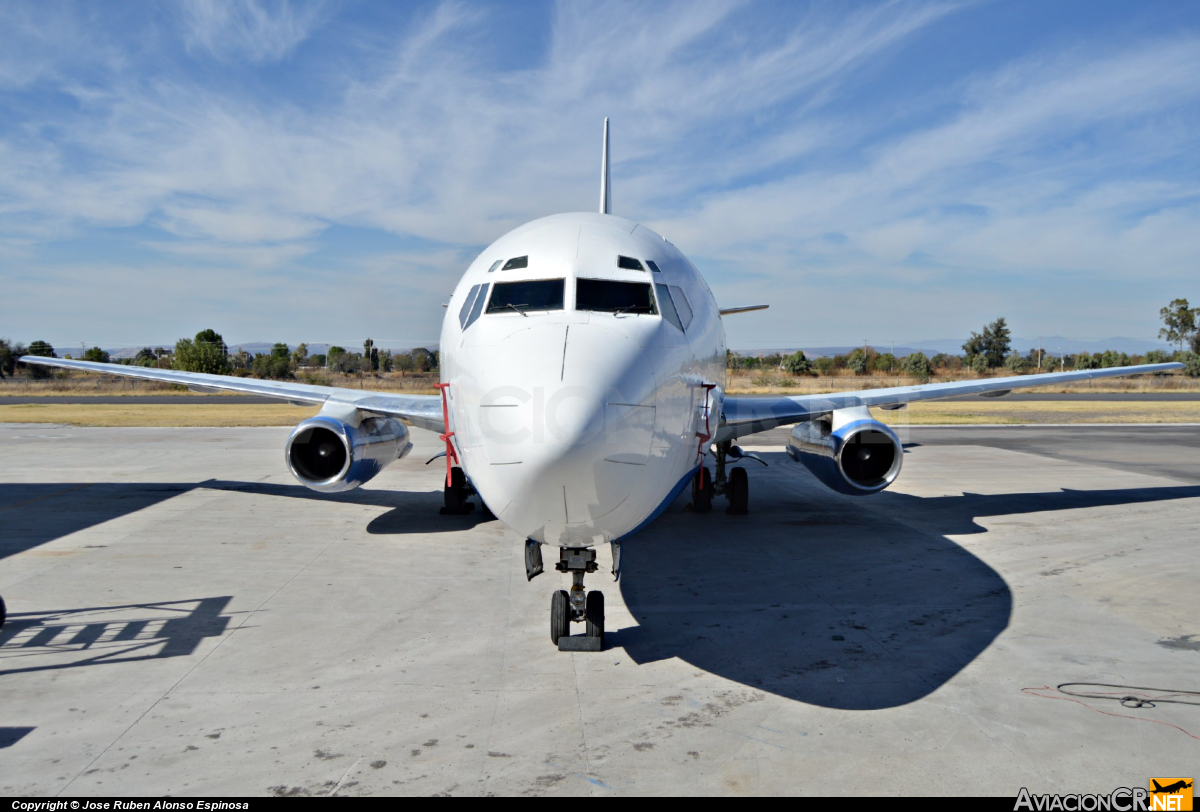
x=732, y=134
x=255, y=30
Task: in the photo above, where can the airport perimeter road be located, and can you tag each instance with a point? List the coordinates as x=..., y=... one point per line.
x=185, y=619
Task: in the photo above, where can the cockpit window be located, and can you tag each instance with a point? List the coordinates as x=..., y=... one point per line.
x=668, y=307
x=630, y=264
x=682, y=306
x=472, y=306
x=607, y=296
x=516, y=263
x=534, y=294
x=495, y=265
x=466, y=308
x=653, y=266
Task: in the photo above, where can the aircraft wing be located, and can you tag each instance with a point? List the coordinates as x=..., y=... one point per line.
x=423, y=411
x=749, y=415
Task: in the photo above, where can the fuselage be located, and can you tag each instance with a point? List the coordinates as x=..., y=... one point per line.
x=578, y=410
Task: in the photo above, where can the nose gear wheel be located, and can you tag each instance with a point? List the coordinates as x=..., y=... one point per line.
x=578, y=605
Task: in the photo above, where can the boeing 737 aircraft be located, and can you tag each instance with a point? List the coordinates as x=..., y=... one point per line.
x=582, y=390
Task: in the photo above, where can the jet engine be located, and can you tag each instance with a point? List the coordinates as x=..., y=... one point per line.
x=848, y=451
x=331, y=455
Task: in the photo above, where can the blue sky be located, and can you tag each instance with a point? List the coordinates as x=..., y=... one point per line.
x=325, y=171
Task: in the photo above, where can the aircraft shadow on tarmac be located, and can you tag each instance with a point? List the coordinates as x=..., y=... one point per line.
x=35, y=513
x=765, y=603
x=106, y=635
x=759, y=600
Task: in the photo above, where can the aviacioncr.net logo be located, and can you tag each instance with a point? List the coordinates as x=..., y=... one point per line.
x=1167, y=795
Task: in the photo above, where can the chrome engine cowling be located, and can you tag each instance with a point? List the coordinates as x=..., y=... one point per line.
x=848, y=451
x=331, y=454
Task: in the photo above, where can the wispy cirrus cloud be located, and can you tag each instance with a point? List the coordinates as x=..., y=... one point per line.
x=254, y=30
x=794, y=151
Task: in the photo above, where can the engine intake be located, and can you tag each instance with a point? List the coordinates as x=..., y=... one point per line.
x=331, y=455
x=861, y=456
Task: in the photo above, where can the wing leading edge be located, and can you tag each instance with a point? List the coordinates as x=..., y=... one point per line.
x=750, y=415
x=423, y=411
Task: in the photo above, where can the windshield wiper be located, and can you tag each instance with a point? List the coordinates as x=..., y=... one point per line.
x=634, y=307
x=517, y=308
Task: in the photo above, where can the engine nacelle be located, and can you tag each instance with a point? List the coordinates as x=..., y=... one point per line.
x=330, y=455
x=848, y=451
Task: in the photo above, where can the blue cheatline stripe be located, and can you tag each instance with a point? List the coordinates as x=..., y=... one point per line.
x=671, y=497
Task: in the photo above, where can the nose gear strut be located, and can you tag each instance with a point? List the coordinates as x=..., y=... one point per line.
x=577, y=605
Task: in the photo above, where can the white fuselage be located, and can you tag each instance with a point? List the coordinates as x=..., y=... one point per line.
x=576, y=425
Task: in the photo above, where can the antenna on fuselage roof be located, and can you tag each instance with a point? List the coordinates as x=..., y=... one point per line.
x=605, y=190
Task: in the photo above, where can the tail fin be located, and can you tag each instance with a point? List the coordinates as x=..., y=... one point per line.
x=1157, y=786
x=605, y=191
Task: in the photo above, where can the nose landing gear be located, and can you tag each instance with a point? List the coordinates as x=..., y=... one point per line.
x=577, y=605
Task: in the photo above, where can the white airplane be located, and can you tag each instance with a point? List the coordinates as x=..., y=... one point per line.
x=582, y=390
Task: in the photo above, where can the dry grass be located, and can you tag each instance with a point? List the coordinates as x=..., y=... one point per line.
x=739, y=382
x=183, y=414
x=963, y=413
x=1076, y=411
x=77, y=384
x=743, y=382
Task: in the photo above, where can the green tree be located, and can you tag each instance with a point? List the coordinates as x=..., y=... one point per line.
x=206, y=353
x=423, y=359
x=1179, y=322
x=1155, y=357
x=1084, y=361
x=300, y=356
x=337, y=359
x=44, y=350
x=917, y=365
x=276, y=365
x=8, y=358
x=797, y=364
x=979, y=363
x=884, y=362
x=145, y=357
x=1191, y=364
x=994, y=344
x=824, y=365
x=96, y=354
x=1016, y=362
x=856, y=362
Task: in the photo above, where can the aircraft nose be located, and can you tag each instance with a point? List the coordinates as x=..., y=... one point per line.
x=567, y=450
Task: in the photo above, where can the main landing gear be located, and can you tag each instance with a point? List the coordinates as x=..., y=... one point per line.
x=456, y=495
x=577, y=605
x=735, y=487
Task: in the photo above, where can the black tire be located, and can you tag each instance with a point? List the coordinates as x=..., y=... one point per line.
x=454, y=495
x=739, y=492
x=3, y=612
x=702, y=491
x=594, y=611
x=560, y=616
